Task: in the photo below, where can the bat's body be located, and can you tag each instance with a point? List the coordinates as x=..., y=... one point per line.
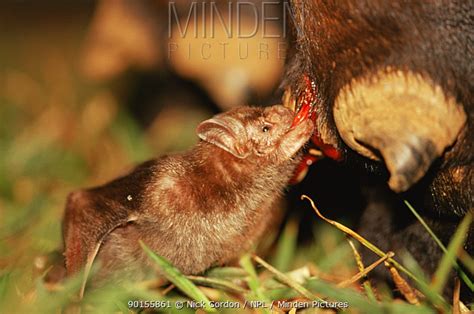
x=197, y=209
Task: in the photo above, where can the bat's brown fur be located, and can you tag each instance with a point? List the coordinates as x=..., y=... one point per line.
x=197, y=209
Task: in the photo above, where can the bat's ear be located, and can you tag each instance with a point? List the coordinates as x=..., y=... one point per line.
x=225, y=132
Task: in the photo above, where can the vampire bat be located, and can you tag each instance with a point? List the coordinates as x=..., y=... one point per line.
x=198, y=208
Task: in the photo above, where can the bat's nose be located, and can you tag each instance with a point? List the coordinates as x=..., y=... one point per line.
x=280, y=114
x=283, y=110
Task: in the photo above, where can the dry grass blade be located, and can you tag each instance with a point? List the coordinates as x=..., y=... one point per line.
x=217, y=283
x=287, y=280
x=167, y=289
x=361, y=239
x=432, y=295
x=358, y=258
x=405, y=289
x=464, y=308
x=456, y=295
x=154, y=283
x=458, y=306
x=360, y=265
x=226, y=273
x=365, y=271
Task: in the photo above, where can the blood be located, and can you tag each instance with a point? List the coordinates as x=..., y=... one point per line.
x=307, y=102
x=302, y=168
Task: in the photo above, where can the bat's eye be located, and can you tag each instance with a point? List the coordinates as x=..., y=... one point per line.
x=266, y=128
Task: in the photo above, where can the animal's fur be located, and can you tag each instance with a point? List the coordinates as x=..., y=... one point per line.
x=197, y=209
x=336, y=42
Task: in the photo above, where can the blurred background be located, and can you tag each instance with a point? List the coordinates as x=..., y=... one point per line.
x=90, y=88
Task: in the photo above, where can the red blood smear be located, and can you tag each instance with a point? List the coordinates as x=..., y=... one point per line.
x=302, y=168
x=301, y=115
x=327, y=149
x=307, y=100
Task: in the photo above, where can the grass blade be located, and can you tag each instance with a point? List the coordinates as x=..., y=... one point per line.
x=286, y=247
x=253, y=281
x=365, y=271
x=434, y=297
x=449, y=258
x=217, y=283
x=178, y=279
x=361, y=239
x=462, y=274
x=360, y=265
x=354, y=299
x=287, y=280
x=466, y=260
x=226, y=273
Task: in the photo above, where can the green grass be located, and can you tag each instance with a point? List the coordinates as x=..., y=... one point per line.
x=58, y=133
x=42, y=163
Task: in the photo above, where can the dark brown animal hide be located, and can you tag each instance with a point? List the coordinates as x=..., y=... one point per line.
x=347, y=48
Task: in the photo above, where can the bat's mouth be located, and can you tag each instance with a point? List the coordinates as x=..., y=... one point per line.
x=305, y=102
